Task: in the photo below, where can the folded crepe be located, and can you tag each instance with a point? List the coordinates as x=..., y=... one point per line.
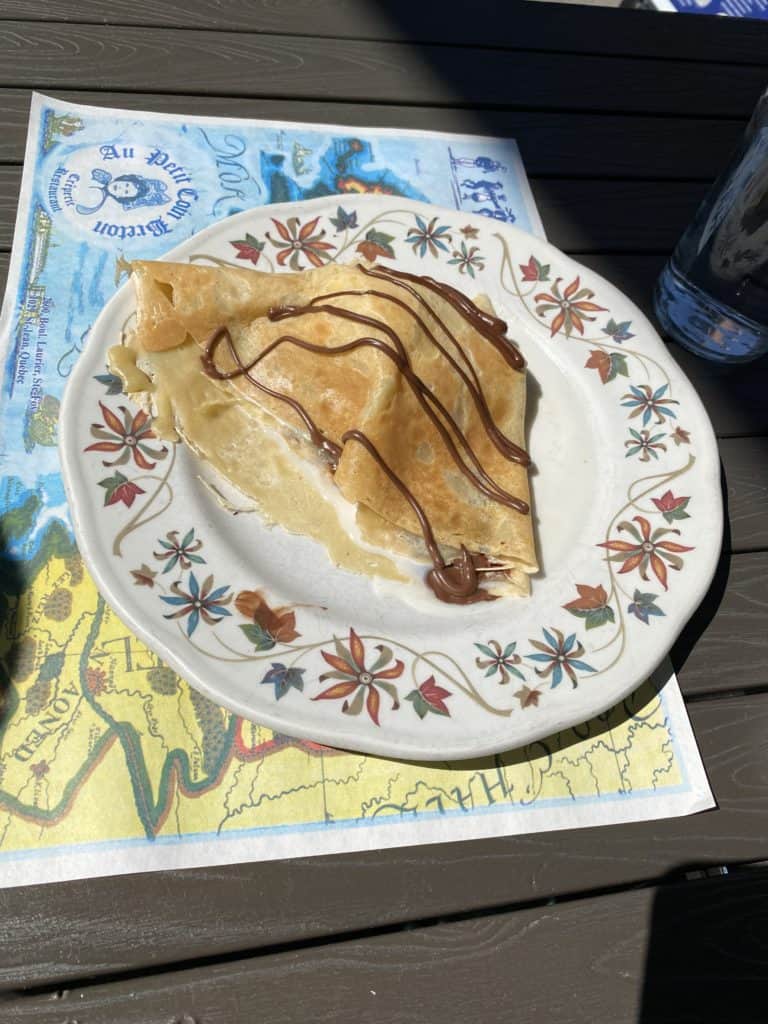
x=417, y=375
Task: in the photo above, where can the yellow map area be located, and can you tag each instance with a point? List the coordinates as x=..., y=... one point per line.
x=100, y=741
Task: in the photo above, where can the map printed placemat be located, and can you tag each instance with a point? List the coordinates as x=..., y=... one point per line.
x=109, y=762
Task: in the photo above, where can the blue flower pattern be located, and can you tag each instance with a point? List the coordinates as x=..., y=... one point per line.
x=559, y=655
x=198, y=601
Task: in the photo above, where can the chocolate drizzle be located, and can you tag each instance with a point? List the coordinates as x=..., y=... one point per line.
x=329, y=448
x=455, y=582
x=490, y=327
x=507, y=448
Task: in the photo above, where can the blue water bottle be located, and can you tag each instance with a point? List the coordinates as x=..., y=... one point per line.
x=712, y=296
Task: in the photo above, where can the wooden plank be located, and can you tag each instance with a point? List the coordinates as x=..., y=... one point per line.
x=576, y=145
x=45, y=55
x=620, y=216
x=180, y=915
x=663, y=955
x=745, y=462
x=725, y=645
x=513, y=25
x=10, y=184
x=734, y=396
x=634, y=273
x=579, y=216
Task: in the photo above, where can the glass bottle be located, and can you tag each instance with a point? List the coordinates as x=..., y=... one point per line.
x=712, y=296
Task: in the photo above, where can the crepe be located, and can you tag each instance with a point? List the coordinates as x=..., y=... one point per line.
x=179, y=306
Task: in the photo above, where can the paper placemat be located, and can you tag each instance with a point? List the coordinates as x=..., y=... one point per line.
x=109, y=763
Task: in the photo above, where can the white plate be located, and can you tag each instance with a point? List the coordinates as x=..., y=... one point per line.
x=626, y=493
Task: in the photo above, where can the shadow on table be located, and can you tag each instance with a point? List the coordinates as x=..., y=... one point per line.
x=734, y=398
x=11, y=585
x=707, y=610
x=707, y=954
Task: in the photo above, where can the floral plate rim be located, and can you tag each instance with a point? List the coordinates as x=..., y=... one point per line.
x=367, y=685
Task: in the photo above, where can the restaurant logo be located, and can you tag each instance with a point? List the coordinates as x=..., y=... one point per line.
x=118, y=193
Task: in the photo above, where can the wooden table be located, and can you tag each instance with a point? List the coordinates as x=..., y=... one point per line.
x=623, y=119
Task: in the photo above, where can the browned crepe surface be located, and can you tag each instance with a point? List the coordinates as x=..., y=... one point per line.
x=181, y=303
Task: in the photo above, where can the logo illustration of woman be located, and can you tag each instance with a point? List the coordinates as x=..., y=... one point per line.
x=129, y=190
